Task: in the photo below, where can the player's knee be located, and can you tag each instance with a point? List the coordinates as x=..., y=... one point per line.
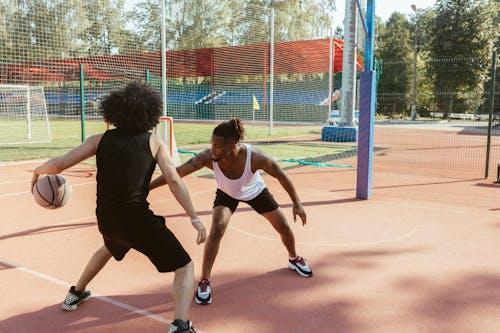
x=217, y=231
x=186, y=269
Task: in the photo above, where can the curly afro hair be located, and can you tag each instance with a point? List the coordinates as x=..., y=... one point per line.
x=136, y=107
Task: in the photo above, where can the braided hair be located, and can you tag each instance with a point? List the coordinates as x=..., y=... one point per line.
x=231, y=129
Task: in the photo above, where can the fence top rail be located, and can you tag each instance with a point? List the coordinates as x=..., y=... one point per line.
x=14, y=86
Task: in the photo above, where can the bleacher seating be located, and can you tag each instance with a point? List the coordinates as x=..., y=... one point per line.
x=191, y=94
x=308, y=97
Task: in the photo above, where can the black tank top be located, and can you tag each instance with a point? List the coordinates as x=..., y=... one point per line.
x=124, y=168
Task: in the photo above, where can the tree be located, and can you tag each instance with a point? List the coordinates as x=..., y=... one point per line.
x=463, y=31
x=3, y=26
x=421, y=24
x=104, y=22
x=301, y=20
x=145, y=21
x=496, y=23
x=54, y=29
x=395, y=50
x=202, y=24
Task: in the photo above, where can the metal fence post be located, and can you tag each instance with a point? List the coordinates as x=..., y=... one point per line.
x=82, y=102
x=490, y=104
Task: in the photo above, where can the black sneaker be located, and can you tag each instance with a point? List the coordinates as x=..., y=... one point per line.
x=181, y=326
x=300, y=265
x=74, y=298
x=203, y=292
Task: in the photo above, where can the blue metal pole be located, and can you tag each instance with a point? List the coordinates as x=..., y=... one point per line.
x=370, y=37
x=367, y=111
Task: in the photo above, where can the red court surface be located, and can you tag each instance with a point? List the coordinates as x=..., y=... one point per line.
x=420, y=256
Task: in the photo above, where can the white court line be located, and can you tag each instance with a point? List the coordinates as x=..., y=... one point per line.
x=29, y=192
x=15, y=182
x=406, y=235
x=409, y=234
x=106, y=299
x=13, y=194
x=462, y=209
x=2, y=164
x=27, y=181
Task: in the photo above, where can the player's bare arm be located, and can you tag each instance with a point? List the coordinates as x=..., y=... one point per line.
x=197, y=162
x=200, y=160
x=176, y=185
x=260, y=160
x=78, y=154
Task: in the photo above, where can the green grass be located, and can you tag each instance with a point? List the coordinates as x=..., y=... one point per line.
x=315, y=154
x=193, y=137
x=194, y=134
x=66, y=134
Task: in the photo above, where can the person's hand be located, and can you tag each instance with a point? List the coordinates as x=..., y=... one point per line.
x=202, y=232
x=298, y=209
x=34, y=179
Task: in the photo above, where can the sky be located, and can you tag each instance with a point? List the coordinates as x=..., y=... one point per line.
x=384, y=8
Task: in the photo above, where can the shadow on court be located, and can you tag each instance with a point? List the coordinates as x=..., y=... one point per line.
x=47, y=229
x=281, y=301
x=91, y=316
x=242, y=207
x=421, y=256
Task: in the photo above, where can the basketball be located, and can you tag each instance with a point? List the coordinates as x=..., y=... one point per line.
x=52, y=191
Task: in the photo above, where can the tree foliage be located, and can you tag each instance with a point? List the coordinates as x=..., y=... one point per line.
x=463, y=30
x=396, y=51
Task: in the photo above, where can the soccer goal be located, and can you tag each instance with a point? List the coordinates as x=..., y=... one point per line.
x=23, y=115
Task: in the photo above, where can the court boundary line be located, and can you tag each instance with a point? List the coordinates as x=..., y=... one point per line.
x=106, y=299
x=9, y=163
x=401, y=237
x=408, y=234
x=5, y=195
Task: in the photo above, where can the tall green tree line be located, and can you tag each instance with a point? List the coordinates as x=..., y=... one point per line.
x=47, y=29
x=455, y=39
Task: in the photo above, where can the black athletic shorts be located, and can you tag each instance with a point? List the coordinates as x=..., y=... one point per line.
x=262, y=203
x=140, y=229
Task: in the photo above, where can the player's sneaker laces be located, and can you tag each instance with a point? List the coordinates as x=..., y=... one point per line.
x=203, y=292
x=181, y=326
x=74, y=298
x=300, y=265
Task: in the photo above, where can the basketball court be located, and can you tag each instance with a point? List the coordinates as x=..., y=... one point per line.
x=421, y=255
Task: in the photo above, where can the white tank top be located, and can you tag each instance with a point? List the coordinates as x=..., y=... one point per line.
x=245, y=188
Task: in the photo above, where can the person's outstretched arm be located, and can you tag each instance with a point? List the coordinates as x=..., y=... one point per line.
x=262, y=161
x=197, y=162
x=60, y=163
x=176, y=185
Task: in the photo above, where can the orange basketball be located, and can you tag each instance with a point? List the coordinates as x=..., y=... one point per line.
x=52, y=191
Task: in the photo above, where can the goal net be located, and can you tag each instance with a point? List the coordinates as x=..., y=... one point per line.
x=23, y=115
x=165, y=129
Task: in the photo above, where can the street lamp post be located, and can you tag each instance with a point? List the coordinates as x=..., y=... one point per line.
x=414, y=85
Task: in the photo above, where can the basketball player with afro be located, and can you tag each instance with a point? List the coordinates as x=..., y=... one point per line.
x=126, y=157
x=235, y=166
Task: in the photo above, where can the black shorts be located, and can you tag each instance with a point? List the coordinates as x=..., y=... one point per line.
x=262, y=203
x=140, y=229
